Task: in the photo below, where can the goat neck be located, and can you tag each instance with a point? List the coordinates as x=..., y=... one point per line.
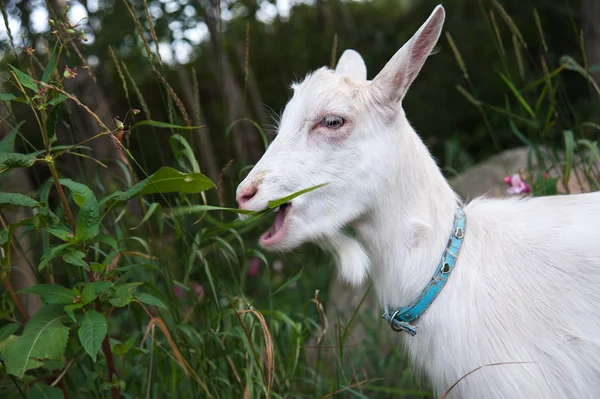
x=407, y=229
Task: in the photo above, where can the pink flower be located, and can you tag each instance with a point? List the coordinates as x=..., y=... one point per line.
x=517, y=185
x=254, y=267
x=199, y=290
x=177, y=291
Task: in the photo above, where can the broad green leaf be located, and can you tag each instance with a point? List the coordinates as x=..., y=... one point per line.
x=7, y=97
x=92, y=332
x=108, y=240
x=41, y=391
x=8, y=330
x=44, y=337
x=88, y=220
x=62, y=232
x=70, y=310
x=80, y=192
x=52, y=365
x=7, y=144
x=163, y=125
x=59, y=99
x=276, y=203
x=25, y=79
x=18, y=199
x=52, y=293
x=15, y=160
x=92, y=290
x=165, y=180
x=149, y=300
x=52, y=253
x=122, y=295
x=31, y=363
x=76, y=258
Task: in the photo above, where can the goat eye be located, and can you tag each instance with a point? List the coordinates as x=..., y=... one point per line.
x=332, y=122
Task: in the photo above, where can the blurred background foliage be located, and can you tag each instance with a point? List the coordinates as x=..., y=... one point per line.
x=245, y=54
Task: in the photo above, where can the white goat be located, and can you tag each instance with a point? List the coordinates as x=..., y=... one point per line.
x=526, y=286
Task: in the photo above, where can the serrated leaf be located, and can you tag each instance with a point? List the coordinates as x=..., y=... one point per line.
x=18, y=199
x=31, y=363
x=122, y=295
x=15, y=160
x=52, y=293
x=44, y=337
x=92, y=290
x=41, y=391
x=88, y=220
x=75, y=258
x=149, y=300
x=165, y=180
x=92, y=332
x=25, y=79
x=70, y=310
x=52, y=253
x=52, y=365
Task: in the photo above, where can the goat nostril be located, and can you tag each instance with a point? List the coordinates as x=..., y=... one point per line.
x=246, y=195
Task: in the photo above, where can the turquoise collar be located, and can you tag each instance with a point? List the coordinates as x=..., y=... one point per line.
x=399, y=319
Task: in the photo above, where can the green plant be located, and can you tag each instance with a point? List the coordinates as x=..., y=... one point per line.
x=541, y=109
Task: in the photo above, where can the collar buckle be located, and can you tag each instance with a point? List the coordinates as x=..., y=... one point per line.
x=398, y=325
x=399, y=320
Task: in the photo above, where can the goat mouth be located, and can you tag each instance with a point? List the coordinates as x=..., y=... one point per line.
x=277, y=231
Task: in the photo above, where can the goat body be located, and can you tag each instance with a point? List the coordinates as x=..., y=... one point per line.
x=525, y=291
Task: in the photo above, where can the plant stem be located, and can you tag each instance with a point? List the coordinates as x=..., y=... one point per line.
x=16, y=299
x=63, y=197
x=106, y=343
x=9, y=286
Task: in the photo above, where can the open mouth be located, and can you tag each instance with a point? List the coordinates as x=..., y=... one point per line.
x=277, y=230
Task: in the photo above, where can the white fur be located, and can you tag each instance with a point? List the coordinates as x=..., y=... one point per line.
x=526, y=287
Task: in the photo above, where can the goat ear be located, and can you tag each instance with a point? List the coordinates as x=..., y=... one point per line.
x=397, y=75
x=352, y=64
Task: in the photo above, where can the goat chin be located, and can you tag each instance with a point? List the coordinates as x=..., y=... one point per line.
x=351, y=258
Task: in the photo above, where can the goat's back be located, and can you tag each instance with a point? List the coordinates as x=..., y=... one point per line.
x=526, y=288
